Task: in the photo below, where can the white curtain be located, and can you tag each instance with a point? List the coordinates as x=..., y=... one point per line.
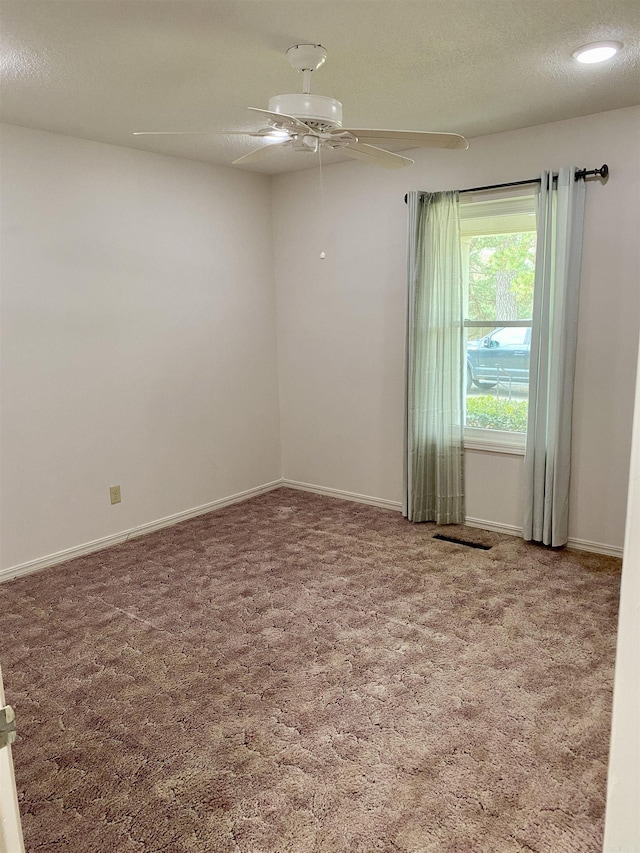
x=553, y=355
x=434, y=413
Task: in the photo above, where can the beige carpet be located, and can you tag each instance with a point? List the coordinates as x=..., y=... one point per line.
x=302, y=674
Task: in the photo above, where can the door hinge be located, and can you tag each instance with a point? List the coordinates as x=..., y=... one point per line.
x=7, y=726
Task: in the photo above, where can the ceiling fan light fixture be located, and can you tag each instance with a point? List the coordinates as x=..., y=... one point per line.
x=306, y=143
x=599, y=51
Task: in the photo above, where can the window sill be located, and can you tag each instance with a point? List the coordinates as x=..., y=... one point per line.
x=495, y=441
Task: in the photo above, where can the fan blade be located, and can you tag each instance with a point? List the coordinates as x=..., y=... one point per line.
x=260, y=153
x=286, y=121
x=376, y=156
x=413, y=138
x=264, y=132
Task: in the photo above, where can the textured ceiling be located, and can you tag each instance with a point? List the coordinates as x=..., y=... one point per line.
x=101, y=69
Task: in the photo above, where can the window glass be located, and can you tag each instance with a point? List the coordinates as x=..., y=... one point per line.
x=513, y=336
x=498, y=250
x=501, y=275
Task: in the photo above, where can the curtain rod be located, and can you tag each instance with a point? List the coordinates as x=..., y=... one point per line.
x=581, y=175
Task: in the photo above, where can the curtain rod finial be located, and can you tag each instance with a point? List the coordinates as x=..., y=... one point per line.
x=602, y=172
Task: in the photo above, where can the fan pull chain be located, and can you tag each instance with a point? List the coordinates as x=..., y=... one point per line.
x=323, y=220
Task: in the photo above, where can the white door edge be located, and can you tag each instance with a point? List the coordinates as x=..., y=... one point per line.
x=11, y=840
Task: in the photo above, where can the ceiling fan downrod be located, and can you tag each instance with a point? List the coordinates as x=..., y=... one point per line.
x=306, y=58
x=318, y=111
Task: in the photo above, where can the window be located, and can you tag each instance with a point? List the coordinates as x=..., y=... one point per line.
x=498, y=252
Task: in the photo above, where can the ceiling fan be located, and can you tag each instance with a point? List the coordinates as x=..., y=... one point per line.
x=306, y=123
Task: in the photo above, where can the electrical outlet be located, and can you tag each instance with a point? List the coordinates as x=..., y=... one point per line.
x=114, y=494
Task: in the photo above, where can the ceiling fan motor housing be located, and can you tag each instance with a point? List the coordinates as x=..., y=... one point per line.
x=318, y=111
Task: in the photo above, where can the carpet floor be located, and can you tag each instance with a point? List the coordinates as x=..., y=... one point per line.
x=299, y=674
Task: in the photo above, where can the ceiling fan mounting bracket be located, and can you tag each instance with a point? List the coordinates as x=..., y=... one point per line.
x=306, y=57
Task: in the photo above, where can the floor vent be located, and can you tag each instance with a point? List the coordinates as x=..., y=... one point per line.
x=462, y=542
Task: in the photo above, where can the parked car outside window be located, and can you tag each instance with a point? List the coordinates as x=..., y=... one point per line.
x=503, y=354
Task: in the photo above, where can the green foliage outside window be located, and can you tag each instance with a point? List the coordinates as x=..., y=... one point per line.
x=487, y=412
x=501, y=278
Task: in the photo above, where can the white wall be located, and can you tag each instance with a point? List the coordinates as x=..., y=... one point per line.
x=138, y=339
x=341, y=319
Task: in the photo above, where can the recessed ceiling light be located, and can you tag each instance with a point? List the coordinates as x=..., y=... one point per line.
x=597, y=52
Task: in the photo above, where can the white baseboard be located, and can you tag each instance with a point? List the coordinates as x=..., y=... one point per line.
x=150, y=527
x=339, y=493
x=509, y=529
x=595, y=547
x=575, y=544
x=123, y=536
